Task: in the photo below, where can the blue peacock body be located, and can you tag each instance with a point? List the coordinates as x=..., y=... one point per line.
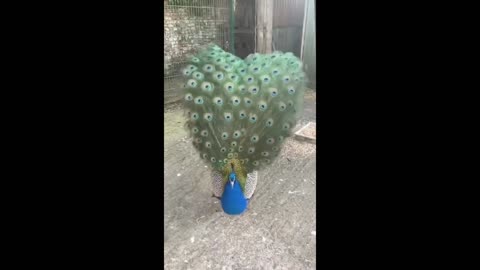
x=239, y=113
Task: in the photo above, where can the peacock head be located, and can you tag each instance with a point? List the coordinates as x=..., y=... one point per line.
x=232, y=177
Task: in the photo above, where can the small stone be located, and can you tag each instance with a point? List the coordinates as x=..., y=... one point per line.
x=179, y=174
x=314, y=233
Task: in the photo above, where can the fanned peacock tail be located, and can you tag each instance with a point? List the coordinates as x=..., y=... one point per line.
x=240, y=111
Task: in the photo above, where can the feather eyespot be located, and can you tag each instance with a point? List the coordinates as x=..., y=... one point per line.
x=240, y=148
x=213, y=159
x=265, y=79
x=286, y=126
x=208, y=116
x=208, y=68
x=199, y=100
x=218, y=76
x=254, y=138
x=255, y=69
x=233, y=144
x=270, y=140
x=208, y=144
x=273, y=92
x=195, y=130
x=251, y=150
x=282, y=106
x=229, y=87
x=269, y=122
x=228, y=116
x=206, y=86
x=223, y=150
x=236, y=134
x=291, y=90
x=249, y=79
x=242, y=114
x=195, y=116
x=265, y=154
x=236, y=101
x=262, y=105
x=198, y=75
x=256, y=163
x=253, y=118
x=218, y=101
x=253, y=90
x=224, y=135
x=188, y=97
x=192, y=83
x=230, y=155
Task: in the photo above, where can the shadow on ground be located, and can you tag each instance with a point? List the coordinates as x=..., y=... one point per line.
x=277, y=231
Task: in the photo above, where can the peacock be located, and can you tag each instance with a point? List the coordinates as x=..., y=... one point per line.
x=239, y=113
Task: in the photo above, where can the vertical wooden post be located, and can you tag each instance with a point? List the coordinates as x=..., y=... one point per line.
x=232, y=27
x=264, y=15
x=268, y=26
x=304, y=27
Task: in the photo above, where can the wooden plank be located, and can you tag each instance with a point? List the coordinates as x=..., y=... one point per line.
x=301, y=133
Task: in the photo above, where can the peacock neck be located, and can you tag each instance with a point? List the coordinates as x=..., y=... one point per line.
x=233, y=200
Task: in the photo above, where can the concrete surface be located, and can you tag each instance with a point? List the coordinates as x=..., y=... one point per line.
x=276, y=232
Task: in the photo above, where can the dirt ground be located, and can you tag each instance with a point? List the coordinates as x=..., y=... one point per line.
x=276, y=232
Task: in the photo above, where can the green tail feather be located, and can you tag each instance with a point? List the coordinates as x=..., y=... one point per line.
x=242, y=109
